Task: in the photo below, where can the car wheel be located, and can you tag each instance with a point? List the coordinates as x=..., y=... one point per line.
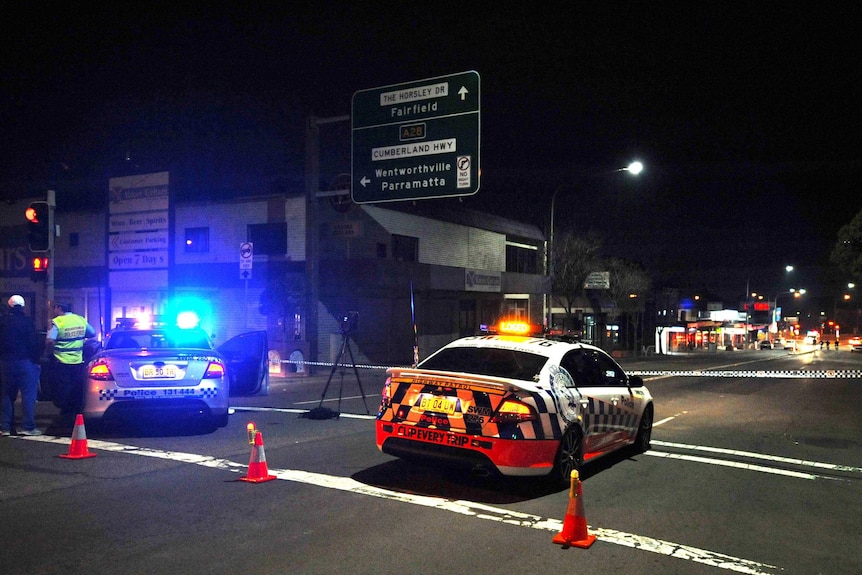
x=642, y=441
x=570, y=456
x=219, y=420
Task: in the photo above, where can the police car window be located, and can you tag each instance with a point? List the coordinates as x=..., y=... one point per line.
x=609, y=371
x=487, y=361
x=581, y=366
x=123, y=341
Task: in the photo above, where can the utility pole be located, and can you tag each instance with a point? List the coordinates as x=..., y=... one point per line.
x=52, y=236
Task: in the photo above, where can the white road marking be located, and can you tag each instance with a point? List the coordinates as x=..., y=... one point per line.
x=462, y=507
x=301, y=411
x=765, y=457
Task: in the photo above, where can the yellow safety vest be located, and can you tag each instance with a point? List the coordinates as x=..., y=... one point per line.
x=71, y=332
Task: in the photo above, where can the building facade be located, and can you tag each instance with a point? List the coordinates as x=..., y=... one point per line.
x=408, y=277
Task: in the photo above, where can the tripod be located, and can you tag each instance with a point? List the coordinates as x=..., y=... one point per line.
x=345, y=345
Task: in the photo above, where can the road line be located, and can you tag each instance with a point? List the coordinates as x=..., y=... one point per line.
x=766, y=457
x=736, y=464
x=461, y=507
x=301, y=411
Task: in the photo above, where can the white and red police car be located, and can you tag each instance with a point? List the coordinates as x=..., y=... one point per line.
x=514, y=404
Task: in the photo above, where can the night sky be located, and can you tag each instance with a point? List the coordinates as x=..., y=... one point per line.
x=747, y=119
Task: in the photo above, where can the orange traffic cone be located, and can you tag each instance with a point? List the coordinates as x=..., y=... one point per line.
x=575, y=524
x=257, y=470
x=78, y=448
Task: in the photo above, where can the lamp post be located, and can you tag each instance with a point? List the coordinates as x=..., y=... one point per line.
x=796, y=293
x=848, y=297
x=634, y=169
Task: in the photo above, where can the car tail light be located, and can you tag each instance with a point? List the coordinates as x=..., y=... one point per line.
x=99, y=371
x=386, y=395
x=214, y=371
x=513, y=411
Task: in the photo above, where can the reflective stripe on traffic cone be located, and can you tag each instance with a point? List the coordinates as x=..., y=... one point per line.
x=78, y=448
x=257, y=470
x=574, y=531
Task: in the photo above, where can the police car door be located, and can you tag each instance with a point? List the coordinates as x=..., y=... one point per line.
x=608, y=409
x=247, y=357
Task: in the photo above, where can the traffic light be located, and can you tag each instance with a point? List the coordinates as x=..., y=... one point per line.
x=38, y=226
x=39, y=269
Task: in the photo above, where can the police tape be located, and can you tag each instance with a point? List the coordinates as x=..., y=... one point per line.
x=330, y=364
x=776, y=374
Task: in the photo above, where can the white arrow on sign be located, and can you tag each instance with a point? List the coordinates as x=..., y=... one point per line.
x=364, y=181
x=463, y=92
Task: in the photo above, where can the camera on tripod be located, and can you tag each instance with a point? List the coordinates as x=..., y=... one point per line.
x=350, y=322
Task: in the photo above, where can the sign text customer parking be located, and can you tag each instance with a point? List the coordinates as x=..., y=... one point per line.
x=416, y=140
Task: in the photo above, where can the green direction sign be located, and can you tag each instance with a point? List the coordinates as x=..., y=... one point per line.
x=416, y=140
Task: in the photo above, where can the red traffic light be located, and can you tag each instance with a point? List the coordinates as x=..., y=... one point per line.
x=38, y=216
x=39, y=269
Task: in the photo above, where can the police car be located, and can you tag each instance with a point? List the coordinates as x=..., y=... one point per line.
x=514, y=404
x=158, y=368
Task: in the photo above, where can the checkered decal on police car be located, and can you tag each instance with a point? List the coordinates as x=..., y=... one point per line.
x=604, y=417
x=202, y=393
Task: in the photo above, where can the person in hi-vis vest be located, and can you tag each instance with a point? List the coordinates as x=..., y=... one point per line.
x=64, y=345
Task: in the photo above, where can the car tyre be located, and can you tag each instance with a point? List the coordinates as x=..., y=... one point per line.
x=570, y=455
x=644, y=436
x=219, y=420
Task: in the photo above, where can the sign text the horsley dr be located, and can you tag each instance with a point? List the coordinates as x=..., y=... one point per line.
x=416, y=140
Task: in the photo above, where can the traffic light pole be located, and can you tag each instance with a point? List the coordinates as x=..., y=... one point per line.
x=52, y=234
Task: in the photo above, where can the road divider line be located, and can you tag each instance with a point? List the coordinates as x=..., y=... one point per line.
x=766, y=457
x=462, y=507
x=736, y=464
x=301, y=411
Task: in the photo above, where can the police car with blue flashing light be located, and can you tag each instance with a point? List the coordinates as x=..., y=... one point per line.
x=515, y=405
x=149, y=367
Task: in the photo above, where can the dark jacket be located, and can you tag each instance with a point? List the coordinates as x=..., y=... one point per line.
x=18, y=337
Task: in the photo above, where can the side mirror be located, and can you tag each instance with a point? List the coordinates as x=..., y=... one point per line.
x=636, y=381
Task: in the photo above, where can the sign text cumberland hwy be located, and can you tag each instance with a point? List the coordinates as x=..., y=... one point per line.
x=416, y=140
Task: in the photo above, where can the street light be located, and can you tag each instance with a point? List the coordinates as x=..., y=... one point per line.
x=796, y=293
x=634, y=169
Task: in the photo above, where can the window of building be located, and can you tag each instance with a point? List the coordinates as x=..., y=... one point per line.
x=518, y=309
x=521, y=258
x=268, y=239
x=197, y=240
x=405, y=248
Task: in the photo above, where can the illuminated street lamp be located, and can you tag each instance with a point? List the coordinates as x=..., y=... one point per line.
x=634, y=169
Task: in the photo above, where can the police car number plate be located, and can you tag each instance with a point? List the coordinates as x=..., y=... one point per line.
x=159, y=371
x=437, y=404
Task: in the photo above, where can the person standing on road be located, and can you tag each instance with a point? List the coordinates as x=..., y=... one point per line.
x=19, y=365
x=64, y=345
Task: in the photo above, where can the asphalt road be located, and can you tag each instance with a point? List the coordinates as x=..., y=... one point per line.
x=756, y=467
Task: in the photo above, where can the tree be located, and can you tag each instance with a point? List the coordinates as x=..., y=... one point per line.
x=574, y=259
x=847, y=253
x=629, y=282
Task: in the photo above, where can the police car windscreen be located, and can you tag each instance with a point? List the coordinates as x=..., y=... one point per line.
x=485, y=361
